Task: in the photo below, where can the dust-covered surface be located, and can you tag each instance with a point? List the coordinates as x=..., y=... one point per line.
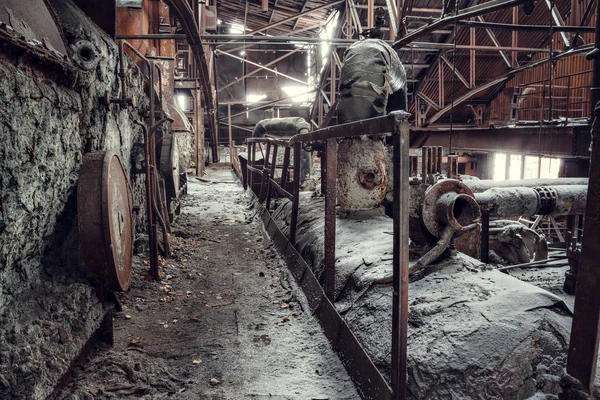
x=474, y=332
x=48, y=120
x=224, y=323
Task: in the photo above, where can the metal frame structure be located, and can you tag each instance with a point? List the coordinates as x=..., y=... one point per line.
x=363, y=372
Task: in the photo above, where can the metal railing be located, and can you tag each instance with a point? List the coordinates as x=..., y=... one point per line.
x=263, y=181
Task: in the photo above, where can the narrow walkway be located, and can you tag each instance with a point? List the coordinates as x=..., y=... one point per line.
x=225, y=322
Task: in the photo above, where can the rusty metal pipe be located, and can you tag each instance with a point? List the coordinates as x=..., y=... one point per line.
x=435, y=252
x=149, y=209
x=545, y=200
x=478, y=186
x=460, y=211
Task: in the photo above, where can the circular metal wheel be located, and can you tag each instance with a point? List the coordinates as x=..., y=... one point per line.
x=169, y=165
x=105, y=218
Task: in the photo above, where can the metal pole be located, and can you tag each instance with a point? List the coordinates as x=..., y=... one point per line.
x=485, y=236
x=330, y=219
x=583, y=345
x=230, y=134
x=400, y=261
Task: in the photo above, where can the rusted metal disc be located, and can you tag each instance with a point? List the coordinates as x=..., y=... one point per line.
x=169, y=165
x=432, y=195
x=105, y=217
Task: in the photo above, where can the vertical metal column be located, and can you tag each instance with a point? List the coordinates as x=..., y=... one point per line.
x=295, y=193
x=485, y=236
x=583, y=346
x=330, y=219
x=400, y=262
x=230, y=134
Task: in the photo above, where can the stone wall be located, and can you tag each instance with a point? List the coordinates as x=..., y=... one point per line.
x=48, y=120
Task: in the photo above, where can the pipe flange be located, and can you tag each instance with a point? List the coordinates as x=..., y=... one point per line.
x=458, y=203
x=85, y=55
x=548, y=198
x=369, y=177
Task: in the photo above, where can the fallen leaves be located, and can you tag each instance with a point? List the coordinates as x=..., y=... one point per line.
x=197, y=361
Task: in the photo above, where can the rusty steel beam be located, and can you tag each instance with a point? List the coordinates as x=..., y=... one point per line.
x=262, y=67
x=400, y=263
x=472, y=11
x=330, y=219
x=286, y=55
x=558, y=21
x=182, y=10
x=506, y=78
x=585, y=330
x=524, y=28
x=494, y=40
x=566, y=141
x=283, y=21
x=456, y=71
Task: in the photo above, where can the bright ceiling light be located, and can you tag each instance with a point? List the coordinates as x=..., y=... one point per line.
x=253, y=98
x=298, y=93
x=236, y=28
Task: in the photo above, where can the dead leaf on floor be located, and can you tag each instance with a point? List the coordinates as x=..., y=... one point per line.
x=284, y=305
x=285, y=319
x=93, y=391
x=197, y=361
x=136, y=340
x=127, y=316
x=296, y=314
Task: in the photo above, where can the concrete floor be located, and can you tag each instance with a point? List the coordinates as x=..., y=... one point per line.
x=225, y=322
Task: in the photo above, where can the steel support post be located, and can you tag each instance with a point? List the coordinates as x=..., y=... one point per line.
x=400, y=261
x=295, y=193
x=485, y=236
x=583, y=345
x=330, y=219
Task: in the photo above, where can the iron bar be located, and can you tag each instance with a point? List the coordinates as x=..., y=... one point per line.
x=485, y=236
x=524, y=28
x=585, y=332
x=330, y=219
x=472, y=11
x=296, y=193
x=400, y=259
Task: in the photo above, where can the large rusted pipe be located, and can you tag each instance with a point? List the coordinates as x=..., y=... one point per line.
x=544, y=200
x=460, y=211
x=479, y=186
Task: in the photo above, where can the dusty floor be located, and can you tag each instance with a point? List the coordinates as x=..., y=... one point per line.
x=224, y=323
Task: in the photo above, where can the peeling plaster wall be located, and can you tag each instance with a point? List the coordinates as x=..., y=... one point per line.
x=48, y=120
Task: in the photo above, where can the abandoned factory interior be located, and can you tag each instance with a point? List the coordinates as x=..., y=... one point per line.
x=299, y=199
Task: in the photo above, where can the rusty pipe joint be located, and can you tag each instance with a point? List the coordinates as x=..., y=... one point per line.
x=458, y=210
x=449, y=203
